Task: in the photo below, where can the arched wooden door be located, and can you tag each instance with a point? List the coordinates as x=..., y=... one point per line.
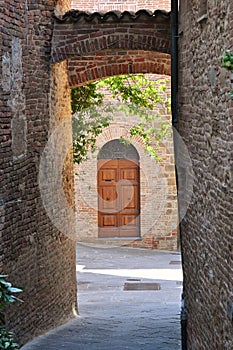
x=118, y=192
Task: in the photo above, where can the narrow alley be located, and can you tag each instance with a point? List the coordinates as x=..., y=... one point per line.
x=128, y=299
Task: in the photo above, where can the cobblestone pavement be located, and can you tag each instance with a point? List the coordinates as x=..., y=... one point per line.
x=112, y=314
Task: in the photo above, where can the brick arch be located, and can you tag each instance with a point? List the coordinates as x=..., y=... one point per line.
x=109, y=63
x=79, y=33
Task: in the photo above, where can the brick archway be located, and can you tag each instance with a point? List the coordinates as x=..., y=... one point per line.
x=107, y=63
x=78, y=33
x=100, y=45
x=95, y=46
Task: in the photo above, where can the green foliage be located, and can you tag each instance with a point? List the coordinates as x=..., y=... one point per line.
x=86, y=127
x=88, y=120
x=141, y=96
x=85, y=96
x=6, y=298
x=136, y=94
x=7, y=340
x=135, y=90
x=152, y=136
x=227, y=60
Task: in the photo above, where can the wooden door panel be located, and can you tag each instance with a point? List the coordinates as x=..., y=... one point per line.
x=108, y=175
x=108, y=232
x=108, y=220
x=129, y=197
x=129, y=220
x=129, y=231
x=118, y=189
x=107, y=200
x=129, y=174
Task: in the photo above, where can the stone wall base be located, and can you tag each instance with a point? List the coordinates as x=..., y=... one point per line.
x=158, y=243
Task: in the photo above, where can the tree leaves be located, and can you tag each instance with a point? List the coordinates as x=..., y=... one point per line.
x=6, y=297
x=136, y=94
x=7, y=340
x=227, y=60
x=85, y=96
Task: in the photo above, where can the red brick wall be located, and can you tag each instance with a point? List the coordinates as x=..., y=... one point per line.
x=120, y=5
x=205, y=123
x=76, y=34
x=34, y=253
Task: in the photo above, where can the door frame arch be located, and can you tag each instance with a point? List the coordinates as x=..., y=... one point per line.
x=118, y=186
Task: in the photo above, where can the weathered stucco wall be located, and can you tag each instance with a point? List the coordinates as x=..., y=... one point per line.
x=205, y=123
x=34, y=252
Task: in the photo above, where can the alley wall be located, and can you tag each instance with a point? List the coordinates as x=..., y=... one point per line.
x=35, y=253
x=205, y=124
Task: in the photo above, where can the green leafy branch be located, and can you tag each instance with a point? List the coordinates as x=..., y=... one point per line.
x=7, y=340
x=7, y=297
x=227, y=60
x=136, y=94
x=227, y=63
x=141, y=96
x=88, y=119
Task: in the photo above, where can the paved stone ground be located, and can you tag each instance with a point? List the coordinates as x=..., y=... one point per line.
x=112, y=318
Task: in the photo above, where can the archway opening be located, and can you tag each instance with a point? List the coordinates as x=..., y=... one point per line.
x=155, y=208
x=123, y=57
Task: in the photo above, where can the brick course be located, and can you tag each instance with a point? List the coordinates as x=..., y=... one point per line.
x=108, y=63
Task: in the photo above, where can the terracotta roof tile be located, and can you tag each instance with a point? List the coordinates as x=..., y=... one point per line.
x=76, y=15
